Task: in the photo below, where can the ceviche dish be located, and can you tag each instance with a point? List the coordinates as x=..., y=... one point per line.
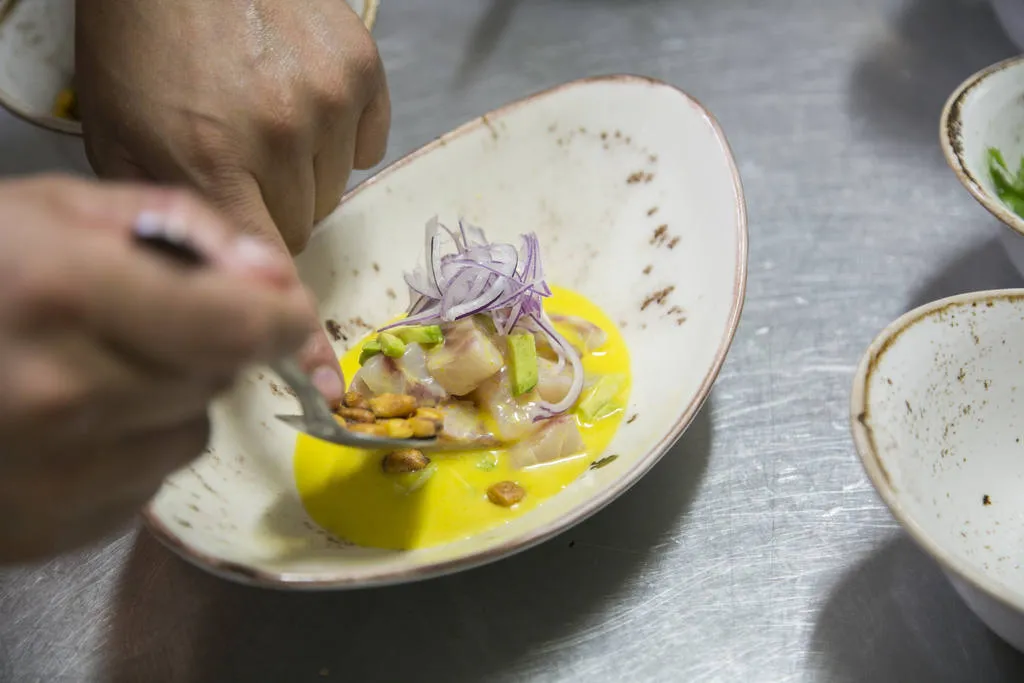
x=523, y=384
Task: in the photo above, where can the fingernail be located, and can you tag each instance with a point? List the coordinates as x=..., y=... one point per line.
x=328, y=381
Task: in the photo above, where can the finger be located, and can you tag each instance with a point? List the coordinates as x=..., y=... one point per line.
x=333, y=165
x=187, y=320
x=374, y=126
x=117, y=209
x=72, y=389
x=109, y=160
x=318, y=359
x=276, y=207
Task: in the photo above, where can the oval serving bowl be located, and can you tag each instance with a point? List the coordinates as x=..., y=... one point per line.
x=633, y=192
x=983, y=112
x=937, y=419
x=37, y=56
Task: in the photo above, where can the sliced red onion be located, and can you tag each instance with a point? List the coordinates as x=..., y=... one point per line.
x=565, y=351
x=485, y=277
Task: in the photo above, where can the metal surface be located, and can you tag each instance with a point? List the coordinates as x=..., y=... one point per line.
x=757, y=550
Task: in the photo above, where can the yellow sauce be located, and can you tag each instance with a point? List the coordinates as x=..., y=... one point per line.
x=346, y=492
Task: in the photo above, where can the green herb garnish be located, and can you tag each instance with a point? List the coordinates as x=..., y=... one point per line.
x=1009, y=186
x=487, y=462
x=603, y=462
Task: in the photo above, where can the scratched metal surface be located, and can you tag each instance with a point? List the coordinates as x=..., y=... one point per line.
x=757, y=550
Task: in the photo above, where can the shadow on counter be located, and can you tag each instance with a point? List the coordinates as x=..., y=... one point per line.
x=174, y=623
x=901, y=83
x=984, y=266
x=895, y=618
x=493, y=23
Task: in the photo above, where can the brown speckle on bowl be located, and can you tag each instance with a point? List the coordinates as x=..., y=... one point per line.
x=490, y=126
x=657, y=297
x=986, y=500
x=359, y=322
x=647, y=270
x=334, y=329
x=632, y=418
x=651, y=211
x=660, y=234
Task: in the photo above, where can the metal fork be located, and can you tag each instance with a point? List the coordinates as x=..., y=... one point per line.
x=316, y=419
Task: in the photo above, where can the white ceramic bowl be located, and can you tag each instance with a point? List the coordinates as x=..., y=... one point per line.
x=985, y=111
x=938, y=419
x=595, y=167
x=37, y=56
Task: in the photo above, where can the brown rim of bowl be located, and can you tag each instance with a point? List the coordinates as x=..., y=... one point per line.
x=74, y=128
x=864, y=442
x=950, y=124
x=249, y=575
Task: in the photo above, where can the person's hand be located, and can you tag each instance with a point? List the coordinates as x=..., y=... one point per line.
x=265, y=106
x=110, y=354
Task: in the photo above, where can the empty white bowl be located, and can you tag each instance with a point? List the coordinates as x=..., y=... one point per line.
x=986, y=111
x=938, y=419
x=634, y=195
x=37, y=56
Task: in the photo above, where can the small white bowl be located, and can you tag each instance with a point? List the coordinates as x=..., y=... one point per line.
x=986, y=111
x=596, y=167
x=937, y=414
x=37, y=56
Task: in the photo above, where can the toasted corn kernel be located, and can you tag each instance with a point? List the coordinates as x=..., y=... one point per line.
x=404, y=460
x=393, y=405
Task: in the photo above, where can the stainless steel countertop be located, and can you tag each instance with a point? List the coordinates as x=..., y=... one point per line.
x=757, y=550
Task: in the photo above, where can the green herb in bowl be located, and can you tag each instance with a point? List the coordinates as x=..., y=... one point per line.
x=1009, y=185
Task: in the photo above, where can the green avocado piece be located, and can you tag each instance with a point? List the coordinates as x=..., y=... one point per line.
x=390, y=345
x=522, y=360
x=427, y=335
x=369, y=350
x=599, y=398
